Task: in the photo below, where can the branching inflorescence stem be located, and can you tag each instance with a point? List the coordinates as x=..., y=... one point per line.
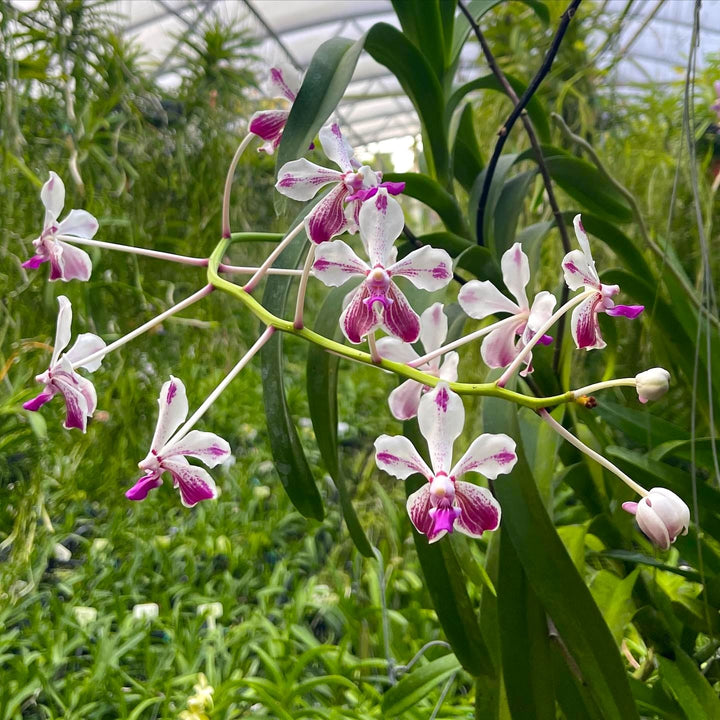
x=351, y=353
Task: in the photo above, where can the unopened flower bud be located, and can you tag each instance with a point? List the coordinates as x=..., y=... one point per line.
x=652, y=384
x=661, y=515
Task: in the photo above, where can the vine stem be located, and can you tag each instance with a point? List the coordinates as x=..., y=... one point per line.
x=567, y=435
x=228, y=184
x=271, y=258
x=215, y=394
x=515, y=364
x=352, y=353
x=145, y=327
x=462, y=341
x=504, y=131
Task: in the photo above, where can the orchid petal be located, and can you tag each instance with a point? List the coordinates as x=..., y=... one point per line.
x=205, y=446
x=449, y=368
x=394, y=188
x=328, y=218
x=480, y=298
x=79, y=223
x=418, y=508
x=86, y=344
x=359, y=318
x=285, y=80
x=578, y=274
x=426, y=268
x=397, y=456
x=628, y=311
x=69, y=263
x=64, y=372
x=541, y=311
x=336, y=262
x=584, y=324
x=433, y=327
x=76, y=403
x=500, y=347
x=490, y=455
x=381, y=221
x=37, y=402
x=399, y=319
x=53, y=198
x=301, y=179
x=405, y=399
x=269, y=125
x=148, y=482
x=336, y=147
x=173, y=409
x=34, y=262
x=63, y=328
x=194, y=483
x=479, y=510
x=352, y=215
x=441, y=417
x=392, y=348
x=516, y=273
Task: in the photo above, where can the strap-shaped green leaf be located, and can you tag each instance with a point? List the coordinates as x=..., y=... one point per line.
x=391, y=48
x=328, y=75
x=556, y=582
x=683, y=679
x=447, y=586
x=322, y=381
x=467, y=158
x=422, y=23
x=431, y=193
x=417, y=684
x=524, y=641
x=290, y=461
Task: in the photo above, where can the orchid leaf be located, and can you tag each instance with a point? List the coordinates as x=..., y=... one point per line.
x=391, y=48
x=508, y=208
x=328, y=75
x=288, y=454
x=416, y=685
x=467, y=157
x=322, y=381
x=559, y=587
x=686, y=683
x=431, y=193
x=422, y=23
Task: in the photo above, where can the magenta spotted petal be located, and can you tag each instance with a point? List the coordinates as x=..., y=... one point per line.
x=269, y=124
x=445, y=503
x=169, y=450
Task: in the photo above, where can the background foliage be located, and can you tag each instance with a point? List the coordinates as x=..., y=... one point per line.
x=311, y=628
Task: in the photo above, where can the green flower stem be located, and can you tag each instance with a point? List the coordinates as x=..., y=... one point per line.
x=351, y=353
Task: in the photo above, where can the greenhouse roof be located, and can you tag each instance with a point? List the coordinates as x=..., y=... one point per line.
x=652, y=45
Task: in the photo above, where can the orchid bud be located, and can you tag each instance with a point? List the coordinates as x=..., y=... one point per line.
x=661, y=515
x=652, y=384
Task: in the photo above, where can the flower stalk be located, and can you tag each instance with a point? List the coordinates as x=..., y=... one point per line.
x=271, y=258
x=302, y=288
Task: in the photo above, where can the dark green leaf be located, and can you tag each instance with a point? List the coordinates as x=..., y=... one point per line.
x=507, y=211
x=328, y=75
x=288, y=454
x=422, y=23
x=467, y=158
x=416, y=685
x=322, y=377
x=683, y=679
x=480, y=262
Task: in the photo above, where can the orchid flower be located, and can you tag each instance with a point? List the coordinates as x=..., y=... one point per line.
x=447, y=503
x=66, y=261
x=381, y=221
x=405, y=399
x=61, y=379
x=167, y=454
x=479, y=299
x=269, y=124
x=338, y=211
x=580, y=273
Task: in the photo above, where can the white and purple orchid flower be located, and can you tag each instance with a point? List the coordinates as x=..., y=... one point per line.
x=580, y=274
x=447, y=503
x=661, y=515
x=168, y=454
x=378, y=302
x=404, y=400
x=268, y=125
x=338, y=211
x=66, y=261
x=61, y=379
x=479, y=299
